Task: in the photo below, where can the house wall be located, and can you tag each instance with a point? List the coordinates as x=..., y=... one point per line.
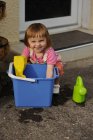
x=9, y=26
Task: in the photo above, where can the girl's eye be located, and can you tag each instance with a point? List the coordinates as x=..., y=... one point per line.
x=41, y=40
x=33, y=41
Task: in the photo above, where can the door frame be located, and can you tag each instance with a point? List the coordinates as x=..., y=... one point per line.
x=82, y=19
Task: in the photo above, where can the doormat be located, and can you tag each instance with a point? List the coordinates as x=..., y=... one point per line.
x=70, y=39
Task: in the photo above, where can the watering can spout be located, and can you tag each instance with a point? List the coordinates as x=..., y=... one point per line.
x=79, y=81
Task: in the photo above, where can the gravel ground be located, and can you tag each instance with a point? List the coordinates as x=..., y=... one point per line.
x=65, y=120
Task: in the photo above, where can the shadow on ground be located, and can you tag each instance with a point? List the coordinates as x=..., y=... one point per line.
x=65, y=94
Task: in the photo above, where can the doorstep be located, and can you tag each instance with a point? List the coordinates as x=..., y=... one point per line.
x=68, y=54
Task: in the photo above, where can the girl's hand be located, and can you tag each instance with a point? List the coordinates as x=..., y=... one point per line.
x=49, y=72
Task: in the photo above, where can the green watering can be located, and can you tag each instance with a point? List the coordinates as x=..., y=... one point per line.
x=79, y=92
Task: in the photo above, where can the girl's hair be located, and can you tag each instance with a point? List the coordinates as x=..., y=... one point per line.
x=37, y=30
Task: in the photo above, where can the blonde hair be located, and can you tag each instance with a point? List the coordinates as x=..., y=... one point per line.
x=37, y=30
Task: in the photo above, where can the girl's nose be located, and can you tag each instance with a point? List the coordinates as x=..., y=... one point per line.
x=37, y=43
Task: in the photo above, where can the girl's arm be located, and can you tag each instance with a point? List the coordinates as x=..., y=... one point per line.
x=49, y=72
x=51, y=61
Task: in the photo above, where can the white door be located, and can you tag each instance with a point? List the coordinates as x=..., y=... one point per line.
x=52, y=13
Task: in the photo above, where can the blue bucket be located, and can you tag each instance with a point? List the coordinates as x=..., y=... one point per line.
x=35, y=90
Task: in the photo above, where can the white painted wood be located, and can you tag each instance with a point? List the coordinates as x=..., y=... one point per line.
x=86, y=9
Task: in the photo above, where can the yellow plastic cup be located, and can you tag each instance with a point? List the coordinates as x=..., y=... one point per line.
x=19, y=65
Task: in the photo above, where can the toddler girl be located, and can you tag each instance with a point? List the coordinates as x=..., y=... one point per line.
x=39, y=49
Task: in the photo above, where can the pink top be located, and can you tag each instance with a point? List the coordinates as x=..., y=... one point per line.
x=49, y=57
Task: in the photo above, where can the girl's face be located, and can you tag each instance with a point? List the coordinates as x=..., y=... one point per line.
x=39, y=44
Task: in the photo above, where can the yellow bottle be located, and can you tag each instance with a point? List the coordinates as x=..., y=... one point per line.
x=19, y=65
